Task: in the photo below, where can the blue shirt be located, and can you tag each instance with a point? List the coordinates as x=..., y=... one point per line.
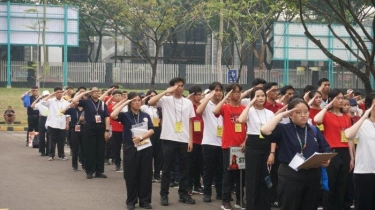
x=128, y=119
x=93, y=108
x=285, y=136
x=31, y=111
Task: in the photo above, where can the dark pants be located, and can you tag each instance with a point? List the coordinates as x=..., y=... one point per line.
x=33, y=124
x=138, y=174
x=274, y=178
x=213, y=168
x=256, y=156
x=364, y=191
x=195, y=163
x=230, y=177
x=43, y=145
x=169, y=149
x=116, y=146
x=298, y=190
x=57, y=137
x=94, y=143
x=157, y=152
x=76, y=139
x=108, y=149
x=338, y=171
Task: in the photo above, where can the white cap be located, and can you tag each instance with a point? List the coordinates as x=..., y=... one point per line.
x=206, y=91
x=45, y=93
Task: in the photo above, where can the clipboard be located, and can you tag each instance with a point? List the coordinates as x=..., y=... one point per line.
x=314, y=161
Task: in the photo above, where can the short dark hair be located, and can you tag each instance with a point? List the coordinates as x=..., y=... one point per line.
x=269, y=85
x=258, y=81
x=116, y=92
x=358, y=94
x=312, y=93
x=69, y=87
x=308, y=88
x=124, y=91
x=57, y=88
x=232, y=86
x=286, y=88
x=195, y=89
x=175, y=80
x=114, y=85
x=82, y=87
x=293, y=103
x=322, y=80
x=34, y=87
x=214, y=85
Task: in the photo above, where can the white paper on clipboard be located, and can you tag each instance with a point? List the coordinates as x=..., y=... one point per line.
x=140, y=130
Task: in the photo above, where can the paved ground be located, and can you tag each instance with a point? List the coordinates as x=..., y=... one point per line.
x=29, y=181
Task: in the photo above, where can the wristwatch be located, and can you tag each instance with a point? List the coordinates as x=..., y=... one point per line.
x=141, y=138
x=106, y=130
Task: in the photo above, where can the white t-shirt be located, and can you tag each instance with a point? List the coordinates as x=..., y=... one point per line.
x=150, y=110
x=256, y=118
x=55, y=118
x=245, y=101
x=365, y=155
x=43, y=110
x=176, y=110
x=211, y=122
x=125, y=109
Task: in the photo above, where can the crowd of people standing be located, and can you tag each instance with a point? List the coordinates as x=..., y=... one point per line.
x=170, y=137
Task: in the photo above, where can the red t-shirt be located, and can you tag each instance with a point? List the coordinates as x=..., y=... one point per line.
x=362, y=106
x=333, y=127
x=230, y=116
x=116, y=125
x=198, y=127
x=313, y=112
x=273, y=107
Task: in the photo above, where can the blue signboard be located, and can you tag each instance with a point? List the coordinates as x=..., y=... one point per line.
x=232, y=76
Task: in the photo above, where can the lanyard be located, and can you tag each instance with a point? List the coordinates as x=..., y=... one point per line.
x=265, y=116
x=300, y=142
x=342, y=128
x=96, y=107
x=77, y=113
x=175, y=110
x=136, y=121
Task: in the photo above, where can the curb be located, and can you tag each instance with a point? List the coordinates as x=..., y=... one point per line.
x=13, y=128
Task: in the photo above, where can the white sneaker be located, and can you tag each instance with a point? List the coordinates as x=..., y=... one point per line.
x=50, y=158
x=63, y=158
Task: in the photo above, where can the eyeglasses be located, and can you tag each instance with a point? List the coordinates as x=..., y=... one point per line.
x=236, y=92
x=302, y=113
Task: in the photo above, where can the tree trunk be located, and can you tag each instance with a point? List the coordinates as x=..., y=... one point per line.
x=220, y=47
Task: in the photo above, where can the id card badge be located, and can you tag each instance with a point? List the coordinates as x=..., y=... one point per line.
x=197, y=126
x=77, y=128
x=59, y=112
x=98, y=119
x=355, y=141
x=178, y=127
x=268, y=182
x=238, y=127
x=320, y=127
x=261, y=135
x=219, y=131
x=155, y=121
x=297, y=160
x=343, y=137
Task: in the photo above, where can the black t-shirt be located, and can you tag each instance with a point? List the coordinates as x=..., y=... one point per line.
x=9, y=113
x=31, y=111
x=93, y=108
x=75, y=114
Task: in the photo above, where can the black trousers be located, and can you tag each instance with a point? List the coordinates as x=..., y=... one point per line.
x=213, y=169
x=157, y=152
x=274, y=178
x=116, y=146
x=230, y=177
x=298, y=190
x=57, y=137
x=137, y=174
x=256, y=156
x=32, y=124
x=338, y=171
x=169, y=149
x=76, y=146
x=108, y=149
x=364, y=191
x=195, y=163
x=43, y=144
x=94, y=143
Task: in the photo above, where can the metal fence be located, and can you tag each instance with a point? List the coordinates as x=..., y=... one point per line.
x=194, y=74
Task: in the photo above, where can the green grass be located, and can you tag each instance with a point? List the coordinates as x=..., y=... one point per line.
x=11, y=97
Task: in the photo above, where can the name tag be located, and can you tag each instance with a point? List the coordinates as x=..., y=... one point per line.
x=59, y=112
x=343, y=137
x=320, y=127
x=178, y=127
x=197, y=126
x=155, y=122
x=355, y=141
x=260, y=135
x=77, y=128
x=98, y=119
x=219, y=131
x=238, y=128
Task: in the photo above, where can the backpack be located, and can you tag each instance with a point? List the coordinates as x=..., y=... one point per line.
x=26, y=101
x=323, y=170
x=36, y=141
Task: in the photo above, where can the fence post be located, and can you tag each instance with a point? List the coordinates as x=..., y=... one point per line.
x=108, y=73
x=182, y=71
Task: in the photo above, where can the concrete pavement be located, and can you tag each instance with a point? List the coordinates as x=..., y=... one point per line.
x=29, y=181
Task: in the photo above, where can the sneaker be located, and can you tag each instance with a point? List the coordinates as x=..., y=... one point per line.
x=63, y=158
x=145, y=206
x=225, y=205
x=157, y=180
x=50, y=158
x=89, y=176
x=75, y=169
x=198, y=190
x=106, y=162
x=207, y=198
x=190, y=192
x=100, y=175
x=239, y=206
x=275, y=204
x=130, y=207
x=117, y=167
x=186, y=199
x=164, y=200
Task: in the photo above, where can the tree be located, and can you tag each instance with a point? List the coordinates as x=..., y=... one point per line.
x=149, y=24
x=354, y=15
